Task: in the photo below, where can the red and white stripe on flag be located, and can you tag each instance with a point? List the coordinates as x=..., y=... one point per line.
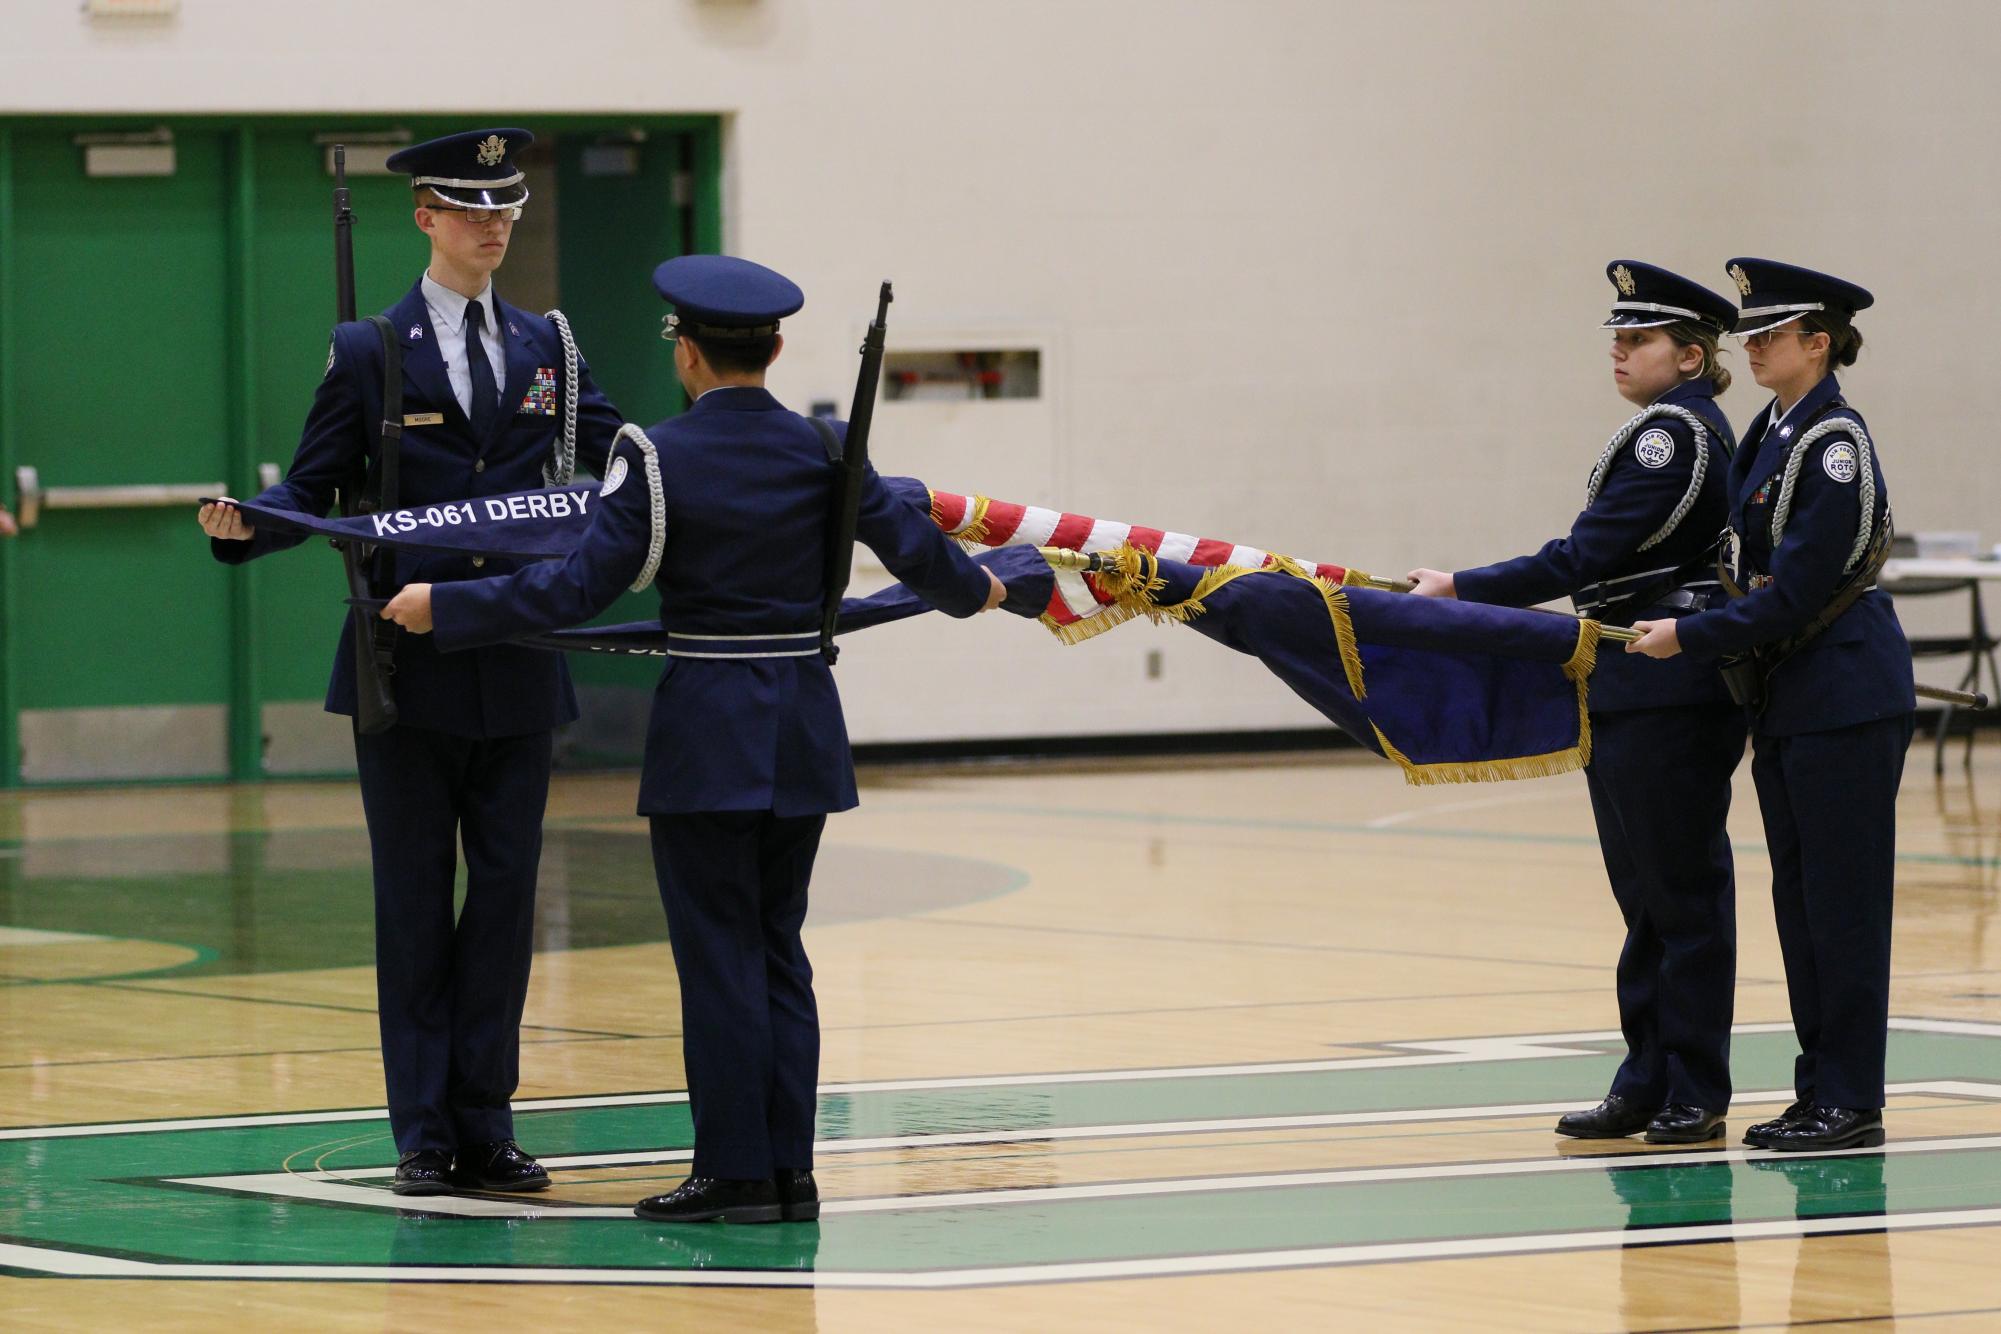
x=1078, y=607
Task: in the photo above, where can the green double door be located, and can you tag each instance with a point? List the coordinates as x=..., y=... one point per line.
x=161, y=335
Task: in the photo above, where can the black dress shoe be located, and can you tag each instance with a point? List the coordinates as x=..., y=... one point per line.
x=423, y=1172
x=1614, y=1118
x=714, y=1200
x=1822, y=1128
x=1759, y=1135
x=1681, y=1123
x=498, y=1165
x=798, y=1197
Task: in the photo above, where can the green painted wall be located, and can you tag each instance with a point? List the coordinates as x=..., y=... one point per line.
x=171, y=329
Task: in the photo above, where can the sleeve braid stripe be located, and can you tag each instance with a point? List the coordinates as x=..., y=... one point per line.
x=1624, y=435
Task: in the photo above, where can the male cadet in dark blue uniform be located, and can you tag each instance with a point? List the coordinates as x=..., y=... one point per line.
x=726, y=510
x=484, y=413
x=1663, y=742
x=1810, y=514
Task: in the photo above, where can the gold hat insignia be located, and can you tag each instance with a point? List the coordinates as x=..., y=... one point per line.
x=1742, y=279
x=491, y=150
x=1623, y=276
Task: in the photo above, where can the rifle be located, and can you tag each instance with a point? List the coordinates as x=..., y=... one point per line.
x=854, y=473
x=363, y=492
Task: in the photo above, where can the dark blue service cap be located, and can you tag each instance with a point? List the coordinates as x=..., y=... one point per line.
x=1776, y=293
x=475, y=169
x=1650, y=296
x=723, y=296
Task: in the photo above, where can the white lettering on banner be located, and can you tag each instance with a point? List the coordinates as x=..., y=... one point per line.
x=382, y=525
x=538, y=506
x=517, y=508
x=496, y=510
x=559, y=506
x=405, y=521
x=580, y=497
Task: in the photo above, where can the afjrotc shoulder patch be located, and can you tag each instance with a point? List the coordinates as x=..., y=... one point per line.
x=541, y=396
x=1839, y=462
x=1654, y=449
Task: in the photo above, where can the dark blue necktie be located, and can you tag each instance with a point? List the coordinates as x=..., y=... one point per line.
x=485, y=394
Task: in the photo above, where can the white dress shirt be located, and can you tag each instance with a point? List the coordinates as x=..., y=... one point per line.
x=448, y=323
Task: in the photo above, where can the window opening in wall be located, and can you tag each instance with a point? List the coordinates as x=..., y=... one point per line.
x=963, y=374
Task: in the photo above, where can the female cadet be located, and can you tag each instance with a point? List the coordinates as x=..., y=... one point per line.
x=1664, y=744
x=1810, y=519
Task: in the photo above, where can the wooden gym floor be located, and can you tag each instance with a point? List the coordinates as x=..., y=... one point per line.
x=1249, y=1044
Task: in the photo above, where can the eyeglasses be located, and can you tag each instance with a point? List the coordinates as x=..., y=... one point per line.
x=479, y=217
x=1763, y=338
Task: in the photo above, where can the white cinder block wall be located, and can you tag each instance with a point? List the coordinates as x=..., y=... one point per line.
x=1319, y=275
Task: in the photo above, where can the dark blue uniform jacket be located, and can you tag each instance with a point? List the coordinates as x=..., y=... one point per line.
x=500, y=691
x=1640, y=490
x=1859, y=668
x=746, y=493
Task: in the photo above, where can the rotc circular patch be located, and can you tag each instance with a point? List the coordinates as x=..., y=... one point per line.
x=1654, y=449
x=614, y=477
x=1839, y=461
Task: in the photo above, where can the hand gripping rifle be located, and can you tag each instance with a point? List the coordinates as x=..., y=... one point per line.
x=368, y=489
x=854, y=473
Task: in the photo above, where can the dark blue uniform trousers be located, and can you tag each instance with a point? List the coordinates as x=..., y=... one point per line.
x=734, y=886
x=1660, y=789
x=450, y=993
x=1830, y=805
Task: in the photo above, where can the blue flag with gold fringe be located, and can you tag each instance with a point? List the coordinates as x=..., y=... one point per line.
x=1451, y=692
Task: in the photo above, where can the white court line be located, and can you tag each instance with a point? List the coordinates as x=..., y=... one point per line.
x=330, y=1188
x=1451, y=1051
x=50, y=1261
x=1127, y=1130
x=1443, y=1052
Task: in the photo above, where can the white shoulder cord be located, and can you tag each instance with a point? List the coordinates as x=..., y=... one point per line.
x=1783, y=509
x=1618, y=442
x=559, y=471
x=649, y=459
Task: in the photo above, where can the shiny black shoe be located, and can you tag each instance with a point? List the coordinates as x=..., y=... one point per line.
x=1822, y=1128
x=1681, y=1123
x=714, y=1200
x=1759, y=1135
x=423, y=1172
x=1614, y=1118
x=498, y=1165
x=798, y=1197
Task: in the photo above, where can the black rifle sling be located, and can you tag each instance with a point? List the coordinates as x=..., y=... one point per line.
x=840, y=523
x=828, y=437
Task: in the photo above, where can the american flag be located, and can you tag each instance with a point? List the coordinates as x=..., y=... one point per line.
x=1079, y=607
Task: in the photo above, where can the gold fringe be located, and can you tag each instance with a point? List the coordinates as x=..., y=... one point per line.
x=975, y=532
x=1584, y=659
x=1338, y=613
x=1350, y=575
x=1076, y=632
x=1487, y=771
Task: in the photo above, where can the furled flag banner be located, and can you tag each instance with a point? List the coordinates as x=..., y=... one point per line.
x=1451, y=692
